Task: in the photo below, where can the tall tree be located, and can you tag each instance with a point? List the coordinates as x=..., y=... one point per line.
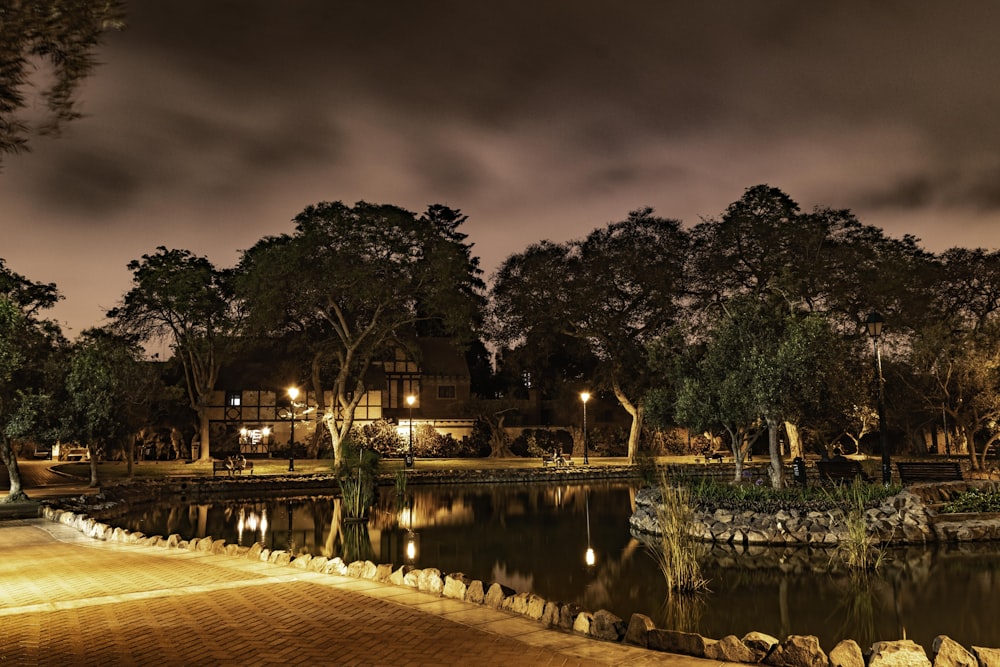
x=356, y=282
x=108, y=388
x=26, y=341
x=182, y=300
x=60, y=35
x=617, y=290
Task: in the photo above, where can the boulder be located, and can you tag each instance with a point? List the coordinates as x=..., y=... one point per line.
x=759, y=643
x=582, y=623
x=607, y=626
x=728, y=649
x=567, y=615
x=382, y=572
x=675, y=641
x=496, y=595
x=475, y=594
x=988, y=657
x=430, y=581
x=847, y=653
x=900, y=653
x=302, y=562
x=456, y=585
x=949, y=653
x=550, y=614
x=638, y=629
x=798, y=651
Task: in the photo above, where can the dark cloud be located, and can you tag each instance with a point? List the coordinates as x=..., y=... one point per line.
x=212, y=124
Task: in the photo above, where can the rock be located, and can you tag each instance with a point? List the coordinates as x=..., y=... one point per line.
x=475, y=594
x=204, y=544
x=798, y=651
x=949, y=653
x=900, y=653
x=728, y=649
x=759, y=643
x=369, y=570
x=496, y=595
x=675, y=641
x=607, y=626
x=550, y=615
x=430, y=581
x=582, y=623
x=847, y=653
x=317, y=564
x=382, y=572
x=567, y=615
x=638, y=629
x=218, y=546
x=988, y=657
x=411, y=578
x=456, y=585
x=302, y=562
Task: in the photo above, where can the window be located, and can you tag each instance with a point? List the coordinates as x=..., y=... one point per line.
x=446, y=391
x=233, y=399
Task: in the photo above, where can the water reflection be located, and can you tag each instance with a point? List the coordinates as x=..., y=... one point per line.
x=531, y=538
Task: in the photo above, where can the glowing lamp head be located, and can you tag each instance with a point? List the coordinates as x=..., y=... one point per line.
x=410, y=400
x=293, y=393
x=590, y=557
x=584, y=396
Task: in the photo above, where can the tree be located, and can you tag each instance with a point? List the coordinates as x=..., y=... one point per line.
x=25, y=343
x=355, y=283
x=62, y=34
x=109, y=389
x=183, y=300
x=617, y=290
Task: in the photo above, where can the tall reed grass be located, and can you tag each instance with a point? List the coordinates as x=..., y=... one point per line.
x=675, y=551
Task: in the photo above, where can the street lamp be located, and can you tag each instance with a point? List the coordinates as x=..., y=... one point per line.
x=410, y=400
x=874, y=325
x=585, y=396
x=293, y=393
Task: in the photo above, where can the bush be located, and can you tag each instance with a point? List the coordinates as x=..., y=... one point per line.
x=973, y=500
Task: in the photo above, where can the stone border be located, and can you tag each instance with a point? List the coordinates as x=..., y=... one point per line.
x=641, y=631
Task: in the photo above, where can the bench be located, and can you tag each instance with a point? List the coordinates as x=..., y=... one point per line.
x=837, y=471
x=929, y=471
x=564, y=460
x=225, y=466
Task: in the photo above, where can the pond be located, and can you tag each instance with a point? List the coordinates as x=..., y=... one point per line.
x=534, y=538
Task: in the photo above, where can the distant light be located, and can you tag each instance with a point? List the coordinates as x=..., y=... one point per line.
x=591, y=558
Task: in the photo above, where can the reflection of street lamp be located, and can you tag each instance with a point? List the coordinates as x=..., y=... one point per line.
x=589, y=557
x=410, y=549
x=585, y=396
x=409, y=450
x=293, y=393
x=874, y=324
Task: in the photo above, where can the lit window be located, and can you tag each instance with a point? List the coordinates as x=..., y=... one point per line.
x=233, y=399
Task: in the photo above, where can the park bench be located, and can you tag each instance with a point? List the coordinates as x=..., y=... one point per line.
x=557, y=461
x=231, y=468
x=929, y=471
x=838, y=471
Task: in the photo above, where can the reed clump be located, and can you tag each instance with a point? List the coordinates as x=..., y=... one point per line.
x=675, y=549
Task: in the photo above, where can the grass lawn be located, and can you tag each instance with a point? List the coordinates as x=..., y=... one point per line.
x=113, y=470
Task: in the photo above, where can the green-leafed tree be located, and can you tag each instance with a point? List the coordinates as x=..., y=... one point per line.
x=353, y=284
x=617, y=290
x=26, y=342
x=109, y=389
x=50, y=43
x=182, y=300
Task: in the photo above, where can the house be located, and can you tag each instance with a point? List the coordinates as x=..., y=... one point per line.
x=258, y=420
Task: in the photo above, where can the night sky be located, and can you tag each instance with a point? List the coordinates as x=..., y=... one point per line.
x=212, y=123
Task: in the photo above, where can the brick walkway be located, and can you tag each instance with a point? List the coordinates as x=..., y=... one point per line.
x=68, y=600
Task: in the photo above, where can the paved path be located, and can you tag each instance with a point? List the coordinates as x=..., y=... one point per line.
x=68, y=600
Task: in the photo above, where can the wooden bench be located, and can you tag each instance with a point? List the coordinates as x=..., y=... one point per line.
x=567, y=460
x=837, y=472
x=929, y=471
x=223, y=466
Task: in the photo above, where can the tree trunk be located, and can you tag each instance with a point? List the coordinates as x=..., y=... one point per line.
x=636, y=411
x=203, y=429
x=777, y=469
x=94, y=483
x=317, y=384
x=16, y=493
x=794, y=440
x=499, y=442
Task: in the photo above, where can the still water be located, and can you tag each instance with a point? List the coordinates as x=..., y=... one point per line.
x=534, y=538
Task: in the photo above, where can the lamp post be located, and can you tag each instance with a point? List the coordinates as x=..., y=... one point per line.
x=410, y=400
x=293, y=393
x=874, y=324
x=585, y=396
